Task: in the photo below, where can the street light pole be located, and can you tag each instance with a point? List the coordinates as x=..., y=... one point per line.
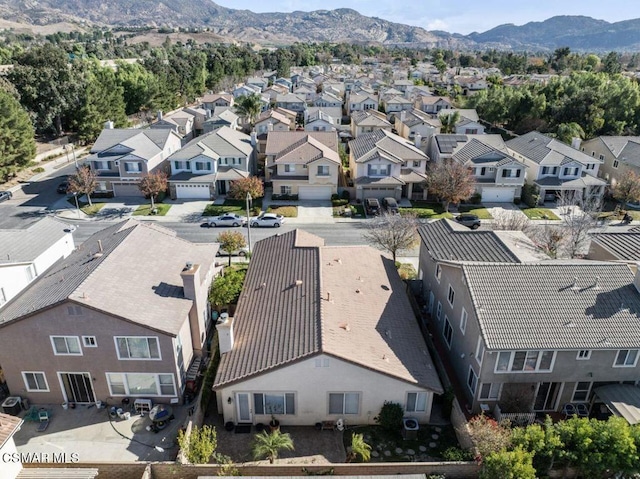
x=75, y=160
x=75, y=197
x=249, y=220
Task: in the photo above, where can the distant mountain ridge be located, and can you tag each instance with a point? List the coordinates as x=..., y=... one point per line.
x=580, y=33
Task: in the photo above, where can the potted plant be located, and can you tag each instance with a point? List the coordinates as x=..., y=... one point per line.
x=274, y=424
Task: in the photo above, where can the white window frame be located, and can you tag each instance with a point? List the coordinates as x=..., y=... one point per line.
x=289, y=168
x=583, y=355
x=472, y=381
x=128, y=392
x=56, y=353
x=586, y=391
x=527, y=352
x=285, y=190
x=479, y=351
x=439, y=311
x=420, y=402
x=447, y=328
x=89, y=342
x=266, y=410
x=344, y=401
x=625, y=365
x=132, y=167
x=159, y=358
x=493, y=394
x=322, y=168
x=451, y=296
x=26, y=383
x=417, y=163
x=464, y=318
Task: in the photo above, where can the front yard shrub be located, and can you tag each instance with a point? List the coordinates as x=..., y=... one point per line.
x=345, y=195
x=516, y=464
x=475, y=199
x=339, y=202
x=530, y=195
x=390, y=416
x=456, y=454
x=335, y=197
x=285, y=197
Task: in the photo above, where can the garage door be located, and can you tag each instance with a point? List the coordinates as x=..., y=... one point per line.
x=314, y=192
x=379, y=193
x=497, y=195
x=126, y=189
x=189, y=191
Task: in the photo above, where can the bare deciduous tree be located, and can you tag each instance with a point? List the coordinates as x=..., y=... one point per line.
x=627, y=189
x=579, y=216
x=510, y=220
x=450, y=181
x=549, y=238
x=152, y=185
x=83, y=182
x=392, y=233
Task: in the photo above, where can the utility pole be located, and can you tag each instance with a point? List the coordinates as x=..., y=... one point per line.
x=249, y=220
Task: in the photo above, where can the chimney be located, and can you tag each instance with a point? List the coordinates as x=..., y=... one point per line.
x=575, y=143
x=189, y=278
x=208, y=113
x=159, y=115
x=254, y=138
x=195, y=291
x=108, y=125
x=225, y=335
x=418, y=140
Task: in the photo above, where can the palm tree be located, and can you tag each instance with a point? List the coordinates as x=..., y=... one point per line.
x=448, y=122
x=359, y=448
x=267, y=445
x=249, y=106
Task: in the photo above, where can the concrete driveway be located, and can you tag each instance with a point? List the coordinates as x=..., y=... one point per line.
x=314, y=212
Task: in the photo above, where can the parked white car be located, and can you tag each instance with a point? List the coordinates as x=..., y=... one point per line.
x=227, y=219
x=268, y=219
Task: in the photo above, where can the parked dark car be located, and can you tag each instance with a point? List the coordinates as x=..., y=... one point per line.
x=372, y=205
x=5, y=195
x=63, y=187
x=469, y=220
x=391, y=205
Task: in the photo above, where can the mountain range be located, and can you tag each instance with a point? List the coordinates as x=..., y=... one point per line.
x=580, y=33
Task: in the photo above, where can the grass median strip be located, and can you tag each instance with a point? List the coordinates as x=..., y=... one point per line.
x=145, y=210
x=540, y=214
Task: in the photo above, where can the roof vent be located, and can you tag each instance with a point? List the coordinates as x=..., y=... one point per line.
x=345, y=326
x=338, y=260
x=596, y=285
x=575, y=284
x=298, y=282
x=358, y=291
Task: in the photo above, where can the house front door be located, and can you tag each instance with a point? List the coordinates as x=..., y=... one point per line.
x=222, y=187
x=244, y=407
x=77, y=387
x=547, y=397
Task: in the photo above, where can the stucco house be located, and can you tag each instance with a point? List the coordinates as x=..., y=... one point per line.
x=293, y=102
x=524, y=334
x=92, y=338
x=182, y=122
x=619, y=155
x=272, y=120
x=616, y=244
x=360, y=102
x=383, y=164
x=29, y=252
x=326, y=99
x=412, y=122
x=211, y=100
x=121, y=157
x=367, y=121
x=318, y=120
x=303, y=163
x=499, y=176
x=556, y=168
x=434, y=104
x=321, y=333
x=206, y=166
x=9, y=426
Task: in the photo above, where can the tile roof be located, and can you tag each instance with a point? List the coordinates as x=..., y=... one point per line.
x=538, y=148
x=555, y=305
x=25, y=245
x=625, y=245
x=9, y=425
x=223, y=142
x=143, y=144
x=386, y=143
x=147, y=260
x=616, y=144
x=278, y=141
x=302, y=298
x=447, y=240
x=367, y=118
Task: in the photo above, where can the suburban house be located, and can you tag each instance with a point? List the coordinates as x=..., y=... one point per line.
x=121, y=157
x=321, y=121
x=360, y=102
x=434, y=104
x=92, y=338
x=211, y=100
x=394, y=105
x=619, y=156
x=27, y=253
x=272, y=120
x=403, y=85
x=199, y=117
x=499, y=176
x=308, y=93
x=414, y=122
x=383, y=164
x=612, y=244
x=222, y=116
x=326, y=99
x=245, y=90
x=293, y=102
x=321, y=333
x=182, y=122
x=274, y=90
x=303, y=163
x=285, y=82
x=260, y=83
x=206, y=166
x=367, y=121
x=524, y=335
x=558, y=169
x=471, y=85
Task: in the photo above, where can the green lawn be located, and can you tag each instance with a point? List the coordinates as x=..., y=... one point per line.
x=286, y=211
x=480, y=211
x=91, y=209
x=145, y=210
x=423, y=209
x=540, y=214
x=233, y=206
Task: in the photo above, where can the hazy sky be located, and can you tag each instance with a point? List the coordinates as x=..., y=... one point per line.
x=456, y=16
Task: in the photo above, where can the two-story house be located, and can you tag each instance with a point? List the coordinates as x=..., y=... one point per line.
x=221, y=116
x=558, y=169
x=328, y=100
x=182, y=122
x=78, y=335
x=394, y=105
x=293, y=102
x=383, y=164
x=274, y=90
x=308, y=93
x=272, y=120
x=121, y=157
x=434, y=104
x=321, y=333
x=211, y=100
x=361, y=102
x=414, y=122
x=499, y=176
x=522, y=334
x=303, y=163
x=258, y=82
x=619, y=155
x=319, y=120
x=366, y=121
x=206, y=166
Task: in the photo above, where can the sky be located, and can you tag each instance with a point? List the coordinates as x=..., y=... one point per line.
x=456, y=16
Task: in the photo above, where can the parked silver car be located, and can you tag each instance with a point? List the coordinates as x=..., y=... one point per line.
x=227, y=219
x=267, y=219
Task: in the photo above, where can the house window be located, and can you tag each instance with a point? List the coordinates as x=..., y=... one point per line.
x=379, y=170
x=89, y=342
x=274, y=403
x=322, y=362
x=289, y=168
x=416, y=402
x=416, y=164
x=463, y=320
x=132, y=166
x=615, y=163
x=592, y=166
x=479, y=350
x=483, y=170
x=525, y=361
x=141, y=384
x=323, y=170
x=447, y=331
x=581, y=392
x=570, y=171
x=490, y=391
x=439, y=311
x=451, y=296
x=137, y=347
x=584, y=354
x=601, y=157
x=203, y=165
x=344, y=403
x=472, y=380
x=438, y=272
x=35, y=381
x=511, y=173
x=626, y=358
x=101, y=165
x=471, y=131
x=285, y=190
x=66, y=345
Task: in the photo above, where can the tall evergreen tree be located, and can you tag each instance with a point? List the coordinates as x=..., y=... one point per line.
x=17, y=146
